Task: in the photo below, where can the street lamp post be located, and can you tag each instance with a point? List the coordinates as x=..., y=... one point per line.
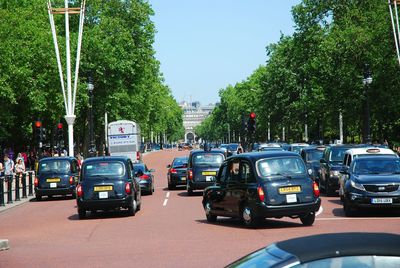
x=92, y=145
x=367, y=80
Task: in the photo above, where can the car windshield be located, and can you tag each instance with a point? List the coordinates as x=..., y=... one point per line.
x=376, y=166
x=54, y=166
x=314, y=155
x=208, y=159
x=180, y=163
x=337, y=154
x=281, y=166
x=104, y=169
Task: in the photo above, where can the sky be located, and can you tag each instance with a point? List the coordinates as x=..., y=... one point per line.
x=205, y=45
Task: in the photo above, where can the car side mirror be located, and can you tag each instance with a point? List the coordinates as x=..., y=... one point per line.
x=152, y=170
x=310, y=171
x=344, y=171
x=169, y=166
x=322, y=161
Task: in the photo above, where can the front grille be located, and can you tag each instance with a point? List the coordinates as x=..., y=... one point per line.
x=381, y=188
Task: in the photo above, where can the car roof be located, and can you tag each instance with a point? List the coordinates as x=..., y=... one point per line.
x=300, y=144
x=263, y=145
x=181, y=158
x=58, y=158
x=212, y=151
x=387, y=157
x=342, y=244
x=254, y=156
x=370, y=151
x=106, y=158
x=313, y=148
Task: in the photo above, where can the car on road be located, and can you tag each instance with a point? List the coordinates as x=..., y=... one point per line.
x=231, y=148
x=176, y=174
x=330, y=166
x=330, y=250
x=296, y=147
x=56, y=176
x=360, y=152
x=372, y=182
x=145, y=177
x=107, y=183
x=255, y=186
x=203, y=166
x=270, y=147
x=311, y=156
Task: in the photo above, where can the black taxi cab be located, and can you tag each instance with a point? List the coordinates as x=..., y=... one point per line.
x=255, y=186
x=56, y=176
x=107, y=183
x=202, y=168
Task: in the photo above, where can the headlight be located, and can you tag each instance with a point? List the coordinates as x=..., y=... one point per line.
x=357, y=186
x=334, y=173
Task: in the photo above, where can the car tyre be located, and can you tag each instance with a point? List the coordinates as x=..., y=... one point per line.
x=328, y=190
x=81, y=214
x=38, y=197
x=248, y=217
x=348, y=210
x=132, y=209
x=171, y=186
x=207, y=208
x=189, y=190
x=308, y=219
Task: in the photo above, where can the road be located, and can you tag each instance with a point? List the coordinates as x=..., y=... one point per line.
x=169, y=231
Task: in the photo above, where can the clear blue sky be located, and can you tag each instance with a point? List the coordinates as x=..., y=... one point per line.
x=205, y=45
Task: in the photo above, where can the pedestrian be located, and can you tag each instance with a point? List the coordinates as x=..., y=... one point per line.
x=8, y=167
x=19, y=167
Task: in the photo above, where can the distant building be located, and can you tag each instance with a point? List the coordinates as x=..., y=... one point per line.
x=193, y=115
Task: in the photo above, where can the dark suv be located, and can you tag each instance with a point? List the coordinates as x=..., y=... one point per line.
x=330, y=166
x=107, y=183
x=254, y=186
x=56, y=176
x=202, y=168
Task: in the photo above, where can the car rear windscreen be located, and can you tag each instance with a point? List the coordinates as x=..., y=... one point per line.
x=54, y=166
x=281, y=166
x=107, y=169
x=208, y=159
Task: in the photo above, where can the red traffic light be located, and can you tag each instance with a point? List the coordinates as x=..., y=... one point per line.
x=59, y=125
x=252, y=115
x=38, y=124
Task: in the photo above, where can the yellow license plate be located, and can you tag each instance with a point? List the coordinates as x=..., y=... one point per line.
x=102, y=188
x=209, y=173
x=53, y=180
x=290, y=190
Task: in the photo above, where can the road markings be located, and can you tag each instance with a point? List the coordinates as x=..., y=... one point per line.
x=166, y=199
x=346, y=218
x=165, y=202
x=320, y=210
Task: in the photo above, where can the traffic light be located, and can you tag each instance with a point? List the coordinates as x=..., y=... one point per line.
x=37, y=130
x=251, y=123
x=42, y=134
x=60, y=134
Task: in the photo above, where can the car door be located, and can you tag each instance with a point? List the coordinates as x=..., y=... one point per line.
x=244, y=188
x=218, y=194
x=232, y=186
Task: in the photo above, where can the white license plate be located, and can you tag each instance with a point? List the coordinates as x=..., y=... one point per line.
x=381, y=200
x=209, y=178
x=103, y=195
x=291, y=198
x=53, y=185
x=183, y=178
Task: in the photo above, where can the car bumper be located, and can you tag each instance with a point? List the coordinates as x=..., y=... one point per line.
x=55, y=191
x=200, y=185
x=177, y=180
x=265, y=211
x=104, y=204
x=145, y=186
x=333, y=182
x=365, y=201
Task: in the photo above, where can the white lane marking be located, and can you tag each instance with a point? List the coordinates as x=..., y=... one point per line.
x=168, y=194
x=345, y=218
x=165, y=202
x=320, y=210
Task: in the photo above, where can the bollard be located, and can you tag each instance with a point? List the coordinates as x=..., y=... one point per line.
x=30, y=184
x=24, y=185
x=9, y=189
x=17, y=180
x=2, y=192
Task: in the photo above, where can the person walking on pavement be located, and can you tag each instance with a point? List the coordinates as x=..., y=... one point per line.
x=8, y=167
x=19, y=167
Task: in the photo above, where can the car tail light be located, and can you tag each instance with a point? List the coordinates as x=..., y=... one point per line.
x=172, y=170
x=36, y=182
x=137, y=155
x=261, y=194
x=79, y=191
x=145, y=177
x=128, y=189
x=71, y=180
x=190, y=175
x=316, y=189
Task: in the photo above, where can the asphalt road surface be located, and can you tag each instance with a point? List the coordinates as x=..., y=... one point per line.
x=169, y=231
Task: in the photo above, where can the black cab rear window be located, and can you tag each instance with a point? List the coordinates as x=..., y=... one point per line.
x=208, y=159
x=104, y=168
x=54, y=166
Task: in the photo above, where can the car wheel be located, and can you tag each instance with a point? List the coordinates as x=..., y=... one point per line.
x=210, y=217
x=38, y=197
x=82, y=214
x=189, y=190
x=308, y=219
x=171, y=186
x=132, y=209
x=248, y=217
x=73, y=195
x=348, y=210
x=328, y=190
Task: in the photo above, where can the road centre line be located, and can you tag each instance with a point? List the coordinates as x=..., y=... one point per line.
x=320, y=210
x=168, y=194
x=165, y=202
x=347, y=218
